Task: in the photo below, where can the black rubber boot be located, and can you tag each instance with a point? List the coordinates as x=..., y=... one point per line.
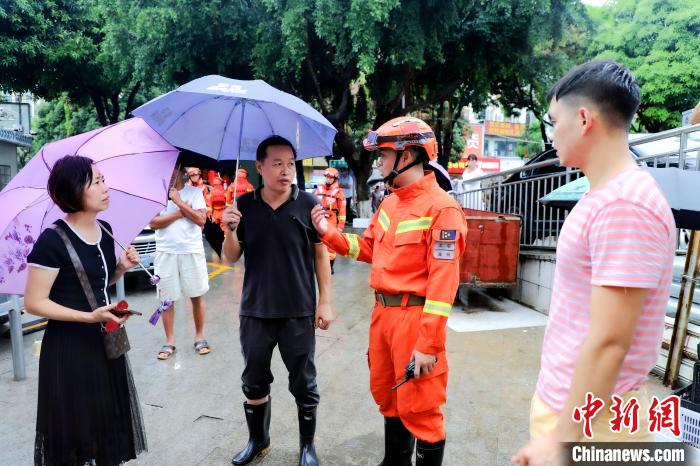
x=307, y=430
x=429, y=454
x=258, y=419
x=398, y=443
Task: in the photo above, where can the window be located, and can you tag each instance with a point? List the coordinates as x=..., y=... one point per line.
x=5, y=175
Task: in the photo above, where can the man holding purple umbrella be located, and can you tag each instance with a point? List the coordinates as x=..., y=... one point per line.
x=272, y=228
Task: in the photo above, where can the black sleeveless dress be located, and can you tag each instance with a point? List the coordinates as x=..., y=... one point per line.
x=88, y=410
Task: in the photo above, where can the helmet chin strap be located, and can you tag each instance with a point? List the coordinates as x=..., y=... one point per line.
x=391, y=177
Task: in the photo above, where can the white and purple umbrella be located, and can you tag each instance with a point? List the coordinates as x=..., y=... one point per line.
x=137, y=164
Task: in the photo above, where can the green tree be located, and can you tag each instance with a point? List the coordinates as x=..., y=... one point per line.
x=52, y=47
x=426, y=57
x=61, y=118
x=659, y=41
x=360, y=62
x=535, y=142
x=558, y=41
x=460, y=134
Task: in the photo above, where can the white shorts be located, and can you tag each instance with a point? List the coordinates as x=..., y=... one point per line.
x=181, y=275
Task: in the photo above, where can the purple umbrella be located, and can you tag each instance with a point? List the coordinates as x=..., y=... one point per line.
x=226, y=119
x=137, y=164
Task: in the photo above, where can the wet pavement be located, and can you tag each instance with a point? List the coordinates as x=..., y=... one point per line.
x=192, y=404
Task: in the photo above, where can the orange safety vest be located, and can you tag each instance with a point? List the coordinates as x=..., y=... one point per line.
x=414, y=242
x=333, y=202
x=217, y=198
x=241, y=187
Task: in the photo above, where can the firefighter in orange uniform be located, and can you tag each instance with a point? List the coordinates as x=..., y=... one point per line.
x=333, y=202
x=239, y=187
x=217, y=202
x=414, y=242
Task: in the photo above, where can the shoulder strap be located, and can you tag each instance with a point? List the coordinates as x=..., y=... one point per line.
x=79, y=269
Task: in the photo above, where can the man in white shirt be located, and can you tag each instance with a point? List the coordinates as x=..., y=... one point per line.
x=475, y=199
x=180, y=260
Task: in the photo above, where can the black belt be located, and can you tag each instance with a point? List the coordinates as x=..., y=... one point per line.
x=395, y=300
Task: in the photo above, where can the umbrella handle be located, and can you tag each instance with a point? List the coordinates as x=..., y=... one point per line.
x=235, y=184
x=124, y=249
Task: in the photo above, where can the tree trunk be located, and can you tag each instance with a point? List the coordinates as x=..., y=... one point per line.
x=99, y=108
x=361, y=168
x=447, y=143
x=543, y=132
x=130, y=100
x=440, y=136
x=301, y=182
x=114, y=115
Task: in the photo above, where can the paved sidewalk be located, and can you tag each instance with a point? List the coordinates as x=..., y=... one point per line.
x=192, y=404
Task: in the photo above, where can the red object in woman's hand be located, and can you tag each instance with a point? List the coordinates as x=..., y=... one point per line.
x=111, y=326
x=122, y=305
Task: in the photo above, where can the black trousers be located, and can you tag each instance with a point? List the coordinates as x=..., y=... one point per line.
x=297, y=344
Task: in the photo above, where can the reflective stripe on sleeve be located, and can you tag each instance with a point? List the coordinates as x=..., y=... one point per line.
x=437, y=307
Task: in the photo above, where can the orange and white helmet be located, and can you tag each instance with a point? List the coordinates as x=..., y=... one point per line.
x=400, y=133
x=332, y=172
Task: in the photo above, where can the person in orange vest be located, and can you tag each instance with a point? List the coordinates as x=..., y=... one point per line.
x=333, y=203
x=239, y=187
x=414, y=243
x=217, y=202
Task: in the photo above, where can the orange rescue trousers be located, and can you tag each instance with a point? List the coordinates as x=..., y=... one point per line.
x=393, y=333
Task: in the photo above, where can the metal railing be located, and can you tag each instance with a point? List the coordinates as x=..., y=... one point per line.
x=517, y=191
x=12, y=307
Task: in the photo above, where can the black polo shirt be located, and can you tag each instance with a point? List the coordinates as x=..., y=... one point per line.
x=278, y=245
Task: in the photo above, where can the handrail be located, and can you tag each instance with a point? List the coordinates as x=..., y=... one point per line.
x=682, y=131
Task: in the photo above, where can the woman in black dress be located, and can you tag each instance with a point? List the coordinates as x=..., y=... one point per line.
x=88, y=411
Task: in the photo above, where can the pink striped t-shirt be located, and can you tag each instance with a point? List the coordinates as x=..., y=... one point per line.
x=619, y=234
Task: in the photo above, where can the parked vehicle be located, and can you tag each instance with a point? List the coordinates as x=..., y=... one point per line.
x=145, y=244
x=519, y=193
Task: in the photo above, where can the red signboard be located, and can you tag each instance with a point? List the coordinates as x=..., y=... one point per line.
x=474, y=135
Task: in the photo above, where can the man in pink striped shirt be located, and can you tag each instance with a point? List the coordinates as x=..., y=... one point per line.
x=614, y=268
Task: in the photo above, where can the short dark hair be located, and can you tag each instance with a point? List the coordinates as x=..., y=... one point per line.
x=261, y=152
x=473, y=157
x=67, y=181
x=607, y=84
x=419, y=152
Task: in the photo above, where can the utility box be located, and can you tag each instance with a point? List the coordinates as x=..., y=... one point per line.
x=490, y=259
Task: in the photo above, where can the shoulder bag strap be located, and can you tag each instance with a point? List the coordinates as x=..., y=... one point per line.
x=79, y=269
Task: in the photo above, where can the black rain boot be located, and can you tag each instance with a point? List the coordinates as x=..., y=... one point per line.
x=332, y=262
x=258, y=419
x=307, y=430
x=429, y=454
x=398, y=443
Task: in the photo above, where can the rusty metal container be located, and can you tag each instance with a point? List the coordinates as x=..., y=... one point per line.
x=493, y=245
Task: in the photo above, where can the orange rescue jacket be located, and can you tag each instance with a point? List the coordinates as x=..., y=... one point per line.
x=414, y=243
x=333, y=201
